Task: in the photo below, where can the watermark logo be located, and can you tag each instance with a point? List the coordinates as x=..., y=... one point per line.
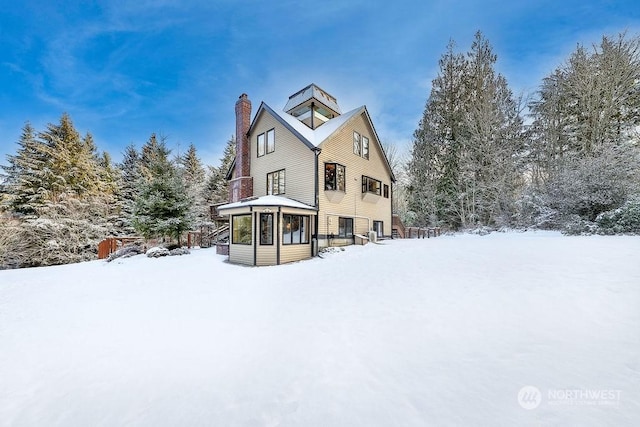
x=529, y=397
x=583, y=397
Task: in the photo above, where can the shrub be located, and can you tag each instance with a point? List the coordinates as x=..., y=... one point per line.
x=625, y=219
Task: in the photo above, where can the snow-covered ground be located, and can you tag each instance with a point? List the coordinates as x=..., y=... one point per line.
x=510, y=329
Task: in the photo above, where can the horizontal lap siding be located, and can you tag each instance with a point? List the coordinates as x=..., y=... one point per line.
x=339, y=149
x=291, y=253
x=267, y=255
x=241, y=254
x=290, y=154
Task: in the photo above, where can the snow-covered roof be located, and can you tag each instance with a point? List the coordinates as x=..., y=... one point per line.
x=312, y=91
x=267, y=201
x=321, y=133
x=313, y=138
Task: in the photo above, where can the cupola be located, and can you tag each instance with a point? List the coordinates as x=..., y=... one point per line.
x=312, y=106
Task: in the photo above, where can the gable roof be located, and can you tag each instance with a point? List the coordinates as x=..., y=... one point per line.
x=313, y=138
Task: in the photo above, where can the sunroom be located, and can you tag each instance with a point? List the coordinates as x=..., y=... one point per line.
x=270, y=230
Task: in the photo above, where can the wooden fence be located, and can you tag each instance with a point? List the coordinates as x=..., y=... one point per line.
x=112, y=244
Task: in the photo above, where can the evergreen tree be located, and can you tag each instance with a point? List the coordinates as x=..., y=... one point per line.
x=464, y=168
x=130, y=174
x=23, y=181
x=490, y=168
x=57, y=179
x=193, y=176
x=162, y=208
x=216, y=189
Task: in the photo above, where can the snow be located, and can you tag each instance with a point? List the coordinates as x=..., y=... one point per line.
x=444, y=331
x=269, y=200
x=320, y=134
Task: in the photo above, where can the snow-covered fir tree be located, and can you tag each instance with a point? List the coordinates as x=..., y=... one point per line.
x=59, y=198
x=130, y=169
x=162, y=208
x=465, y=169
x=217, y=187
x=193, y=176
x=23, y=181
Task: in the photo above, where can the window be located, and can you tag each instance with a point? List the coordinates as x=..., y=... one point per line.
x=370, y=185
x=365, y=147
x=386, y=191
x=275, y=182
x=241, y=229
x=356, y=143
x=271, y=141
x=266, y=142
x=334, y=177
x=295, y=229
x=261, y=145
x=266, y=229
x=345, y=227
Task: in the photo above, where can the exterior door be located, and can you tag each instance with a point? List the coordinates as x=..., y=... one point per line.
x=378, y=227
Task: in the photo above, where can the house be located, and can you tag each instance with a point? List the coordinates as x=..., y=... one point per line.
x=305, y=178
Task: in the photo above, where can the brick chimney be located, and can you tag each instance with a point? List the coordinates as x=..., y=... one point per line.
x=241, y=186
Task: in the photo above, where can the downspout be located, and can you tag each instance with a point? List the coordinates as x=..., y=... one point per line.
x=317, y=201
x=278, y=235
x=391, y=198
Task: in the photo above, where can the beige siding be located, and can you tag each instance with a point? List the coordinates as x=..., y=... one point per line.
x=291, y=253
x=241, y=254
x=365, y=209
x=290, y=154
x=268, y=254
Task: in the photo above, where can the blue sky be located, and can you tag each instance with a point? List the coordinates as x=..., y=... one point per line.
x=125, y=69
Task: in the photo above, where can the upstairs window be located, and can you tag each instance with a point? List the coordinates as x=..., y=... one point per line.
x=365, y=147
x=266, y=142
x=261, y=146
x=334, y=177
x=275, y=182
x=370, y=185
x=271, y=141
x=356, y=143
x=386, y=191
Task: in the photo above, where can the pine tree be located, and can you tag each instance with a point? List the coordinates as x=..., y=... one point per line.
x=216, y=189
x=23, y=182
x=193, y=176
x=464, y=170
x=131, y=174
x=434, y=165
x=491, y=168
x=162, y=207
x=57, y=179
